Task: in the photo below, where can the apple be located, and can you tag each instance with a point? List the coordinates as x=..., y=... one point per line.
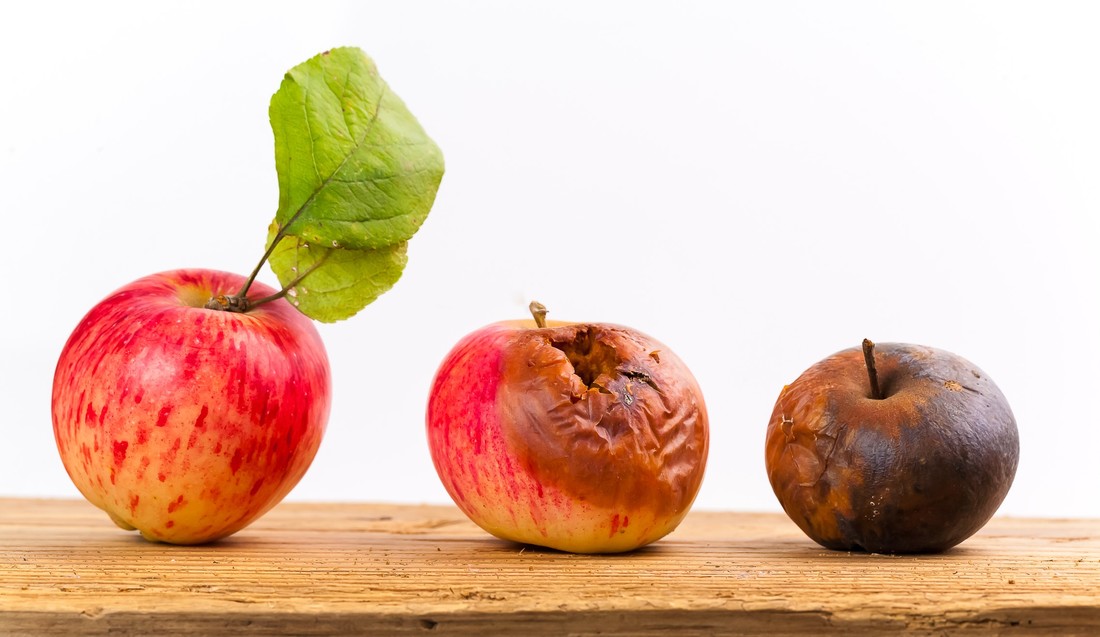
x=582, y=437
x=895, y=449
x=184, y=422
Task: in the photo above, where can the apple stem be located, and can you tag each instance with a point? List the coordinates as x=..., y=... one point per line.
x=241, y=303
x=869, y=358
x=256, y=271
x=538, y=310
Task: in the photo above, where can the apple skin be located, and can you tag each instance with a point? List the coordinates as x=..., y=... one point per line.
x=917, y=471
x=187, y=423
x=598, y=450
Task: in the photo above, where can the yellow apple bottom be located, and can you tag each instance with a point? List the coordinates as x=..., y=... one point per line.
x=523, y=512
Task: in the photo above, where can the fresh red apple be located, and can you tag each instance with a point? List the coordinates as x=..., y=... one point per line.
x=582, y=437
x=188, y=423
x=895, y=449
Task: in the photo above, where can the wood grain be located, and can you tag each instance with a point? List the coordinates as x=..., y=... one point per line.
x=347, y=569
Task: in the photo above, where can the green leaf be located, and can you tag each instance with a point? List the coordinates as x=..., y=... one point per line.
x=342, y=282
x=357, y=178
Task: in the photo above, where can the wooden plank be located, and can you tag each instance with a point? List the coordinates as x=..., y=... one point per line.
x=322, y=569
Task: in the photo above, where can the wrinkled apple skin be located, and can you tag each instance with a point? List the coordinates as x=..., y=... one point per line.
x=533, y=453
x=187, y=423
x=917, y=471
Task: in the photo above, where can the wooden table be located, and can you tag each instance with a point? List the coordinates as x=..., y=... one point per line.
x=321, y=569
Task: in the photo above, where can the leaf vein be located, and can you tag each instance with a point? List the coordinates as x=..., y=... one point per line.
x=309, y=201
x=383, y=178
x=343, y=94
x=309, y=131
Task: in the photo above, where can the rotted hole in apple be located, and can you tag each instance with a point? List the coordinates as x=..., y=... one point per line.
x=590, y=357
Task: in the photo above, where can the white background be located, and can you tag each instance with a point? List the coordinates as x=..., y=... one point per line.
x=757, y=185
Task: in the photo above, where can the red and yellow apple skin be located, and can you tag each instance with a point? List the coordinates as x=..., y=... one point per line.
x=588, y=438
x=916, y=470
x=188, y=423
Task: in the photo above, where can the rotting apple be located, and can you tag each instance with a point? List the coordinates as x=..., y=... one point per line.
x=895, y=449
x=184, y=422
x=582, y=437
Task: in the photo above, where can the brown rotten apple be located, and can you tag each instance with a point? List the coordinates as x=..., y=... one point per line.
x=903, y=449
x=585, y=437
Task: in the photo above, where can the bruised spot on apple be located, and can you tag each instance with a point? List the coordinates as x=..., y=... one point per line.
x=149, y=368
x=892, y=449
x=578, y=437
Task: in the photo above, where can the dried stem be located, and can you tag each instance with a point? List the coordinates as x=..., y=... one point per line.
x=869, y=358
x=538, y=310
